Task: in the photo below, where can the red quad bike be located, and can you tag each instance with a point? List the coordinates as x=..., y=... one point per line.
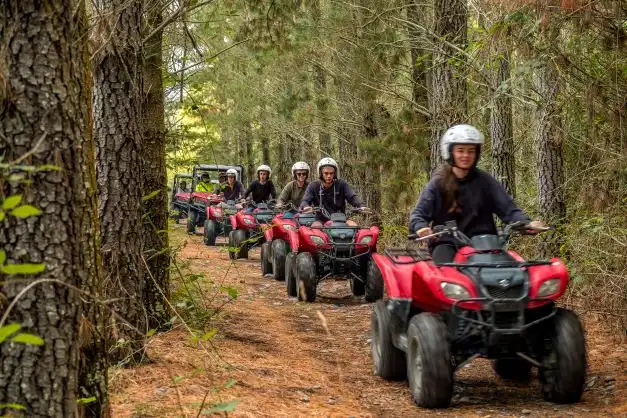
x=248, y=228
x=277, y=246
x=489, y=302
x=218, y=221
x=335, y=249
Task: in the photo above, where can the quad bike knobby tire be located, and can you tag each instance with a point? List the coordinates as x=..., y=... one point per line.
x=358, y=286
x=209, y=234
x=429, y=368
x=388, y=361
x=191, y=222
x=564, y=374
x=516, y=370
x=266, y=266
x=374, y=283
x=290, y=274
x=307, y=282
x=279, y=252
x=238, y=238
x=231, y=253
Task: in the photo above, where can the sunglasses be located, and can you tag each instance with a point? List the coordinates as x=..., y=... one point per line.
x=301, y=174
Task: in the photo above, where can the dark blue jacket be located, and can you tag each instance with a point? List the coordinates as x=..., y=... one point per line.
x=479, y=196
x=332, y=199
x=261, y=192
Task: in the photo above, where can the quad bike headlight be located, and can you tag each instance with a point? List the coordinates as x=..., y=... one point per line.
x=249, y=221
x=454, y=291
x=365, y=240
x=548, y=288
x=288, y=227
x=317, y=240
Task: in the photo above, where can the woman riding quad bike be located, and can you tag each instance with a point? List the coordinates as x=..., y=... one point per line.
x=232, y=189
x=330, y=193
x=461, y=192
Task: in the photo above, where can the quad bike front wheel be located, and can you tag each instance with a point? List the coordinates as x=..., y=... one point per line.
x=374, y=283
x=290, y=274
x=266, y=266
x=563, y=374
x=231, y=246
x=429, y=370
x=388, y=361
x=279, y=252
x=306, y=274
x=239, y=244
x=209, y=233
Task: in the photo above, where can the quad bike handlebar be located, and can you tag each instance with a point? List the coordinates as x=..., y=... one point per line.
x=326, y=214
x=450, y=228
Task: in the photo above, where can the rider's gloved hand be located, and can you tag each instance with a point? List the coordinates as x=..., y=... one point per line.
x=307, y=209
x=364, y=209
x=535, y=226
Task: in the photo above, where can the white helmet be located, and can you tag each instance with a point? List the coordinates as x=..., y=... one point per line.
x=231, y=172
x=459, y=134
x=300, y=165
x=264, y=167
x=327, y=162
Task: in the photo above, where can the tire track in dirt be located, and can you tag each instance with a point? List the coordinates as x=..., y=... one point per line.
x=288, y=363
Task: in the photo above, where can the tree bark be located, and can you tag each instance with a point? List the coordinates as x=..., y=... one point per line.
x=501, y=121
x=155, y=176
x=248, y=144
x=320, y=89
x=448, y=101
x=45, y=112
x=117, y=102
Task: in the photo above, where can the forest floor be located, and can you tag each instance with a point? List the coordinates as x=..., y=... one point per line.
x=273, y=356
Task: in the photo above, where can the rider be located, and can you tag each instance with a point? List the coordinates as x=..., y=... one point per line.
x=204, y=185
x=460, y=192
x=329, y=192
x=294, y=191
x=183, y=186
x=232, y=189
x=261, y=189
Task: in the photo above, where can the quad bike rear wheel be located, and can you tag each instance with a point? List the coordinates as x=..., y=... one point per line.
x=429, y=368
x=564, y=373
x=290, y=274
x=516, y=370
x=209, y=233
x=374, y=283
x=279, y=252
x=239, y=238
x=307, y=282
x=266, y=266
x=388, y=361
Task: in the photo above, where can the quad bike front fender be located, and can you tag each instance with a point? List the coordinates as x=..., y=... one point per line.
x=396, y=277
x=293, y=240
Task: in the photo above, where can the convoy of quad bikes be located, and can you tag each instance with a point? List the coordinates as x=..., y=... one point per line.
x=429, y=319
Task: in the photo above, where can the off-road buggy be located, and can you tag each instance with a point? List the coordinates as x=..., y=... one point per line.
x=335, y=249
x=199, y=201
x=489, y=302
x=179, y=196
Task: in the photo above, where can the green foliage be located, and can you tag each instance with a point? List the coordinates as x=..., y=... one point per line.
x=221, y=407
x=23, y=337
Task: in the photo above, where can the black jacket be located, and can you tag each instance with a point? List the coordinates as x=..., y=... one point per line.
x=261, y=192
x=480, y=196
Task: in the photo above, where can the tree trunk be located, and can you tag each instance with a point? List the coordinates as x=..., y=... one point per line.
x=45, y=112
x=448, y=101
x=248, y=144
x=280, y=169
x=155, y=177
x=501, y=121
x=117, y=102
x=420, y=15
x=320, y=89
x=549, y=143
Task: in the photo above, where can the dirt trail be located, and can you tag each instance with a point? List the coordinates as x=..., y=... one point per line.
x=296, y=359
